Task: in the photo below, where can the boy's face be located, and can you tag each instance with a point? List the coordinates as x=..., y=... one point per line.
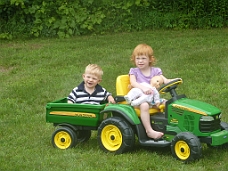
x=156, y=82
x=91, y=80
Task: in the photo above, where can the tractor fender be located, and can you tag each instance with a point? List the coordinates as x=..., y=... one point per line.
x=66, y=125
x=125, y=111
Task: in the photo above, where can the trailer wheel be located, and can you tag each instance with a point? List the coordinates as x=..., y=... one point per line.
x=83, y=135
x=186, y=147
x=64, y=138
x=115, y=135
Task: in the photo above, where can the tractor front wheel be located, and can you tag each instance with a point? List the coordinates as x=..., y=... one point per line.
x=115, y=135
x=186, y=147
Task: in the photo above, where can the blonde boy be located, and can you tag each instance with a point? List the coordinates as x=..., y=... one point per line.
x=89, y=91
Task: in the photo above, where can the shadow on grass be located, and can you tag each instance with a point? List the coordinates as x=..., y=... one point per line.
x=92, y=143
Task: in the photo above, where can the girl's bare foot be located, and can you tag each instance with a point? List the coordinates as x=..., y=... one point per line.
x=154, y=134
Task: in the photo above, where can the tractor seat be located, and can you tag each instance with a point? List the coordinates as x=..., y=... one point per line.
x=123, y=87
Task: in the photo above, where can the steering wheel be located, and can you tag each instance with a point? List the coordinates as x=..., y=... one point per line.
x=169, y=86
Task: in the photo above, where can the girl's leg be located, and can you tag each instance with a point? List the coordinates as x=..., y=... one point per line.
x=140, y=100
x=145, y=117
x=133, y=94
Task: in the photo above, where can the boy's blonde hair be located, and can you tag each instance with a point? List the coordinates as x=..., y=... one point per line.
x=143, y=49
x=94, y=69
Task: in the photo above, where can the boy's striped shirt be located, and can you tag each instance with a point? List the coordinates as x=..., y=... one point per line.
x=79, y=95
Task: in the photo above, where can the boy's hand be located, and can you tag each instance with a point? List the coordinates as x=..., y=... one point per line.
x=111, y=99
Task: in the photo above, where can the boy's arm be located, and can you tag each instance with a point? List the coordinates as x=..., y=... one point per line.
x=111, y=99
x=72, y=96
x=69, y=101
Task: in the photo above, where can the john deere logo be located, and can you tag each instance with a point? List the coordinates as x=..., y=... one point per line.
x=174, y=120
x=78, y=114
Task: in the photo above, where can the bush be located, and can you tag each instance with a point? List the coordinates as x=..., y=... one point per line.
x=65, y=18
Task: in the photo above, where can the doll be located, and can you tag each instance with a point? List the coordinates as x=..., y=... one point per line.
x=135, y=96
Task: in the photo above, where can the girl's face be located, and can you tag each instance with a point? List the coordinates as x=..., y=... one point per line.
x=91, y=80
x=142, y=61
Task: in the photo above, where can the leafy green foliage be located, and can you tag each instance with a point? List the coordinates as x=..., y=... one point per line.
x=66, y=18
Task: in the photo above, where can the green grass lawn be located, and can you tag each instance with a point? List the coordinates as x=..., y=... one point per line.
x=35, y=72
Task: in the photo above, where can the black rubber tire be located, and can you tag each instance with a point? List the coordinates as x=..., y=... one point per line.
x=83, y=135
x=64, y=138
x=186, y=147
x=115, y=135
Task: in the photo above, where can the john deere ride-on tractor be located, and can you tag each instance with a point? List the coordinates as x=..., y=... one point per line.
x=186, y=123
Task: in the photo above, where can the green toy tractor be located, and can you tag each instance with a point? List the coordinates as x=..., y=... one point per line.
x=186, y=123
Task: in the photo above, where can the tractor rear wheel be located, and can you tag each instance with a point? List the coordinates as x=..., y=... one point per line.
x=115, y=135
x=186, y=147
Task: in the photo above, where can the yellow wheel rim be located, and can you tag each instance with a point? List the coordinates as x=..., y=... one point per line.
x=111, y=137
x=182, y=150
x=62, y=140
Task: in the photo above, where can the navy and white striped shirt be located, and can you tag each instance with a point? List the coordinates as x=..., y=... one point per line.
x=80, y=95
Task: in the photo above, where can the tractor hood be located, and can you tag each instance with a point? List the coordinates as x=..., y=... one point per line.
x=196, y=106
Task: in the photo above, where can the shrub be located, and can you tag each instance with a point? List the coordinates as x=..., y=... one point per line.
x=65, y=18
